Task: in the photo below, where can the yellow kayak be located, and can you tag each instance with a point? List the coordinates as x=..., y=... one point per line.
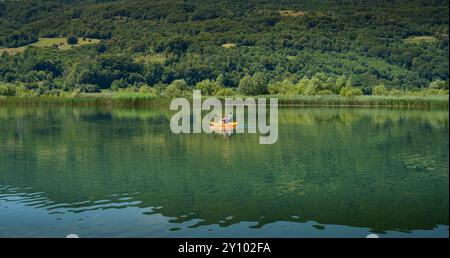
x=221, y=125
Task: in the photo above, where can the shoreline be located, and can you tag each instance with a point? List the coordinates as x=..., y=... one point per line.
x=146, y=101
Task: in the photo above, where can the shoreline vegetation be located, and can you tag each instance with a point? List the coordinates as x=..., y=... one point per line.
x=306, y=53
x=145, y=100
x=317, y=91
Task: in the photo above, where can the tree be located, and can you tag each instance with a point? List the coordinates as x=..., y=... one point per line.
x=153, y=73
x=72, y=40
x=177, y=45
x=2, y=9
x=253, y=85
x=180, y=85
x=220, y=80
x=101, y=48
x=208, y=87
x=302, y=85
x=340, y=83
x=176, y=88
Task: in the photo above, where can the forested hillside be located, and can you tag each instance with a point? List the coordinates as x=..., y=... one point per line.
x=259, y=47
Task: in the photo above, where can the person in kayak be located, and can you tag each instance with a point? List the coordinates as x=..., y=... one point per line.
x=226, y=119
x=223, y=121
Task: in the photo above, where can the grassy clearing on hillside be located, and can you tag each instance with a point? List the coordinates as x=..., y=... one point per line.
x=420, y=39
x=228, y=45
x=148, y=59
x=292, y=13
x=60, y=43
x=291, y=57
x=13, y=50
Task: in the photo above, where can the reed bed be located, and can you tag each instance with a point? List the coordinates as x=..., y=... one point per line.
x=94, y=99
x=148, y=100
x=412, y=102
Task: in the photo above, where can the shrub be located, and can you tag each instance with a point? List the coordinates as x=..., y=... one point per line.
x=325, y=92
x=439, y=84
x=119, y=84
x=396, y=92
x=145, y=89
x=225, y=92
x=285, y=87
x=23, y=91
x=349, y=91
x=88, y=88
x=7, y=90
x=380, y=89
x=310, y=89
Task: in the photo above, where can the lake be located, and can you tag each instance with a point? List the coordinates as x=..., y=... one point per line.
x=334, y=172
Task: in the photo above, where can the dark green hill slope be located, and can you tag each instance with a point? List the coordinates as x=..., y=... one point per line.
x=401, y=44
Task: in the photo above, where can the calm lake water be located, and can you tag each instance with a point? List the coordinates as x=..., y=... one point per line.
x=121, y=172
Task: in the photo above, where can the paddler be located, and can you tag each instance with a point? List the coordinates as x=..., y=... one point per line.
x=226, y=119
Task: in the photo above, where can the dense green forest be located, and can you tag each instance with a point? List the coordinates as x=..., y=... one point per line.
x=308, y=47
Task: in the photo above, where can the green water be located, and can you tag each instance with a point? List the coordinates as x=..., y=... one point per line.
x=121, y=172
